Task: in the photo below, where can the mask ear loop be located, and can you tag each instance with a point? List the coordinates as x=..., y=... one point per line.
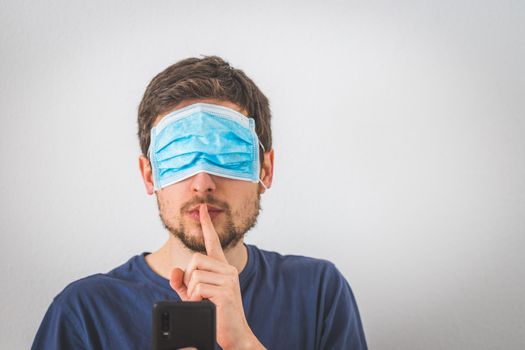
x=263, y=185
x=151, y=160
x=260, y=180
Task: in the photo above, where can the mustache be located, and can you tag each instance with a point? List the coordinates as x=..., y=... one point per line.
x=209, y=199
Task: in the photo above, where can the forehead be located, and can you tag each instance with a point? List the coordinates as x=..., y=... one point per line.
x=214, y=101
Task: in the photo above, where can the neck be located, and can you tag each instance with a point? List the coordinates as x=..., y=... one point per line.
x=175, y=254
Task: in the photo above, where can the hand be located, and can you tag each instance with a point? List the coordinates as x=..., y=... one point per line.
x=212, y=277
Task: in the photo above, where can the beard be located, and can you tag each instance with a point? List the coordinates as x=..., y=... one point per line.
x=229, y=234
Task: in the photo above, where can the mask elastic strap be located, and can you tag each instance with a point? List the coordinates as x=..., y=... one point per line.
x=260, y=181
x=263, y=185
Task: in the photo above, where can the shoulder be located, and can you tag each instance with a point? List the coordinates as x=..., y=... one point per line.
x=72, y=318
x=94, y=287
x=322, y=289
x=296, y=267
x=82, y=288
x=291, y=261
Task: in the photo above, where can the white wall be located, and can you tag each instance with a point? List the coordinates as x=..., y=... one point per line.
x=399, y=137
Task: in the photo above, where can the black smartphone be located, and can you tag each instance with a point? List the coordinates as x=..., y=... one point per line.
x=180, y=324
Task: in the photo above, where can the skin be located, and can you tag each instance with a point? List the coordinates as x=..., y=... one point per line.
x=214, y=275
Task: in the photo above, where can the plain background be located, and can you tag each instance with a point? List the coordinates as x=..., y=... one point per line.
x=399, y=137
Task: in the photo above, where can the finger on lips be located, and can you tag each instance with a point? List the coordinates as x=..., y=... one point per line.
x=205, y=273
x=211, y=239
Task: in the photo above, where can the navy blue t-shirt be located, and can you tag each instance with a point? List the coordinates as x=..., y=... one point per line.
x=290, y=302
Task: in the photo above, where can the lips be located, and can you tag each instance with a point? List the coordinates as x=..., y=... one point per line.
x=212, y=211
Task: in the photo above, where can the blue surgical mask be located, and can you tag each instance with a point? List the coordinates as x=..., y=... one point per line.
x=204, y=138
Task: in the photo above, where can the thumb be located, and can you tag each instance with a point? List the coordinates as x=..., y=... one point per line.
x=177, y=283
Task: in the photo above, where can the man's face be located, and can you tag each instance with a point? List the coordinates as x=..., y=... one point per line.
x=233, y=205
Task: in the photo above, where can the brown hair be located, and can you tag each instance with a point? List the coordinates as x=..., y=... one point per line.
x=207, y=77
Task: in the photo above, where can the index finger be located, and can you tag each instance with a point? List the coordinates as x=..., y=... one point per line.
x=211, y=238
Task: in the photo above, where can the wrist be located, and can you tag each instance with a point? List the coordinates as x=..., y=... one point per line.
x=250, y=342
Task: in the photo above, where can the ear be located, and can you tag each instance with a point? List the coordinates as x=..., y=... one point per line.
x=147, y=174
x=267, y=170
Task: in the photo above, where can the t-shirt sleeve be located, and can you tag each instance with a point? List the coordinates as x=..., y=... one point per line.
x=341, y=326
x=59, y=330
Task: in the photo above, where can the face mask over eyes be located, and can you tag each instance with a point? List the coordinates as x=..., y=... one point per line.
x=204, y=138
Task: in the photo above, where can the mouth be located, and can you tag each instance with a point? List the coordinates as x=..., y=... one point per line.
x=212, y=211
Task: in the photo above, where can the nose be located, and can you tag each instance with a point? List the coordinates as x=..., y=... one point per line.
x=202, y=183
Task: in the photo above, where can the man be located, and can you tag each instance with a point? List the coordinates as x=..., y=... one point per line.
x=205, y=136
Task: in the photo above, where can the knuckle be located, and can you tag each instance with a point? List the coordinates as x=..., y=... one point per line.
x=234, y=281
x=229, y=279
x=196, y=275
x=232, y=270
x=195, y=258
x=197, y=289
